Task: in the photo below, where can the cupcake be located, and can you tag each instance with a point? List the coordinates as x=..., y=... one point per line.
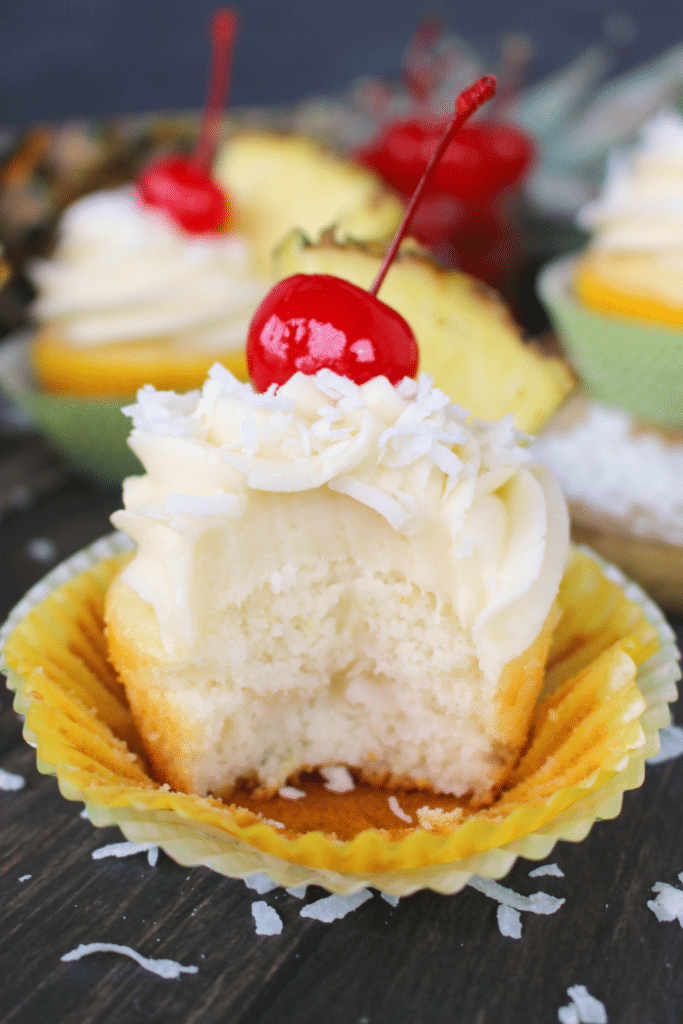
x=130, y=297
x=333, y=575
x=389, y=822
x=618, y=307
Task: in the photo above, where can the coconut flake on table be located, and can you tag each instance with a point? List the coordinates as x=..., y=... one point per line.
x=604, y=465
x=671, y=744
x=128, y=850
x=25, y=878
x=10, y=782
x=583, y=1009
x=537, y=903
x=338, y=778
x=547, y=869
x=267, y=920
x=260, y=882
x=164, y=968
x=390, y=898
x=668, y=904
x=509, y=921
x=333, y=908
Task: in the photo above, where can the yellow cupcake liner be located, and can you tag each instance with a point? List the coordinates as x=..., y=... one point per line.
x=611, y=672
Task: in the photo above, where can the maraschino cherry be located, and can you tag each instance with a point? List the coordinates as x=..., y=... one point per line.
x=183, y=187
x=313, y=321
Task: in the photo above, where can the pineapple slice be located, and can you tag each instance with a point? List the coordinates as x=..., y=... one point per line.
x=467, y=339
x=278, y=182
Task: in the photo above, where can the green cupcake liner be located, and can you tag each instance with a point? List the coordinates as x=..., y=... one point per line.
x=91, y=434
x=191, y=845
x=631, y=364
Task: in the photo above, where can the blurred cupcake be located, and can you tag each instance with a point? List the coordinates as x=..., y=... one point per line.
x=130, y=296
x=618, y=307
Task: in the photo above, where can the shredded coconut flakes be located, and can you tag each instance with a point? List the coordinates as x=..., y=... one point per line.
x=668, y=905
x=127, y=850
x=583, y=1009
x=509, y=922
x=268, y=921
x=671, y=744
x=9, y=782
x=547, y=869
x=338, y=778
x=291, y=793
x=260, y=882
x=396, y=809
x=164, y=968
x=537, y=903
x=333, y=908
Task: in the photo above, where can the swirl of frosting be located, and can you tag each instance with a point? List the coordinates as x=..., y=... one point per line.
x=641, y=206
x=235, y=480
x=124, y=272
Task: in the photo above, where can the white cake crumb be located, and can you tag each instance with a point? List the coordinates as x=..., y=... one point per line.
x=260, y=882
x=297, y=891
x=25, y=878
x=268, y=921
x=583, y=1009
x=537, y=903
x=9, y=782
x=291, y=793
x=509, y=921
x=164, y=968
x=392, y=900
x=124, y=850
x=396, y=809
x=547, y=869
x=671, y=744
x=333, y=908
x=338, y=778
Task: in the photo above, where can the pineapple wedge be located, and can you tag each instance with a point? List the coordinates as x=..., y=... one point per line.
x=278, y=182
x=467, y=339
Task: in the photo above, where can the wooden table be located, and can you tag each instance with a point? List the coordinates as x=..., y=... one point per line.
x=430, y=960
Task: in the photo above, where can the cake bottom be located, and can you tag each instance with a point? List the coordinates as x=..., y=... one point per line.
x=122, y=368
x=634, y=285
x=350, y=668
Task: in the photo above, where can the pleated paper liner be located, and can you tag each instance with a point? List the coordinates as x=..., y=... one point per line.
x=612, y=670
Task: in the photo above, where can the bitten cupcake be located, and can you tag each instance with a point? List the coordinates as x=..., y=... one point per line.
x=333, y=575
x=618, y=306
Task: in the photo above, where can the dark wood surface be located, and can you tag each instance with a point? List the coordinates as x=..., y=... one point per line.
x=430, y=960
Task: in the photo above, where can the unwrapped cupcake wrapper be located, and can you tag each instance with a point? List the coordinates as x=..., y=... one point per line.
x=596, y=723
x=631, y=364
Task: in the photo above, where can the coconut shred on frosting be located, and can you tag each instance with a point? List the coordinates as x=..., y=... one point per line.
x=450, y=504
x=122, y=272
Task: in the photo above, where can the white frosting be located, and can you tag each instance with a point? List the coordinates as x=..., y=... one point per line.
x=641, y=206
x=451, y=504
x=123, y=271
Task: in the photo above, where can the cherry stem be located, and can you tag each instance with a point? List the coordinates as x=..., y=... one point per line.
x=467, y=102
x=223, y=30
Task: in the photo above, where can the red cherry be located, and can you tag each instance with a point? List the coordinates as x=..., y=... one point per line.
x=313, y=321
x=186, y=193
x=183, y=187
x=481, y=161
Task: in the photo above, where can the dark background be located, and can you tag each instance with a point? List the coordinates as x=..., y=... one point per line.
x=64, y=58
